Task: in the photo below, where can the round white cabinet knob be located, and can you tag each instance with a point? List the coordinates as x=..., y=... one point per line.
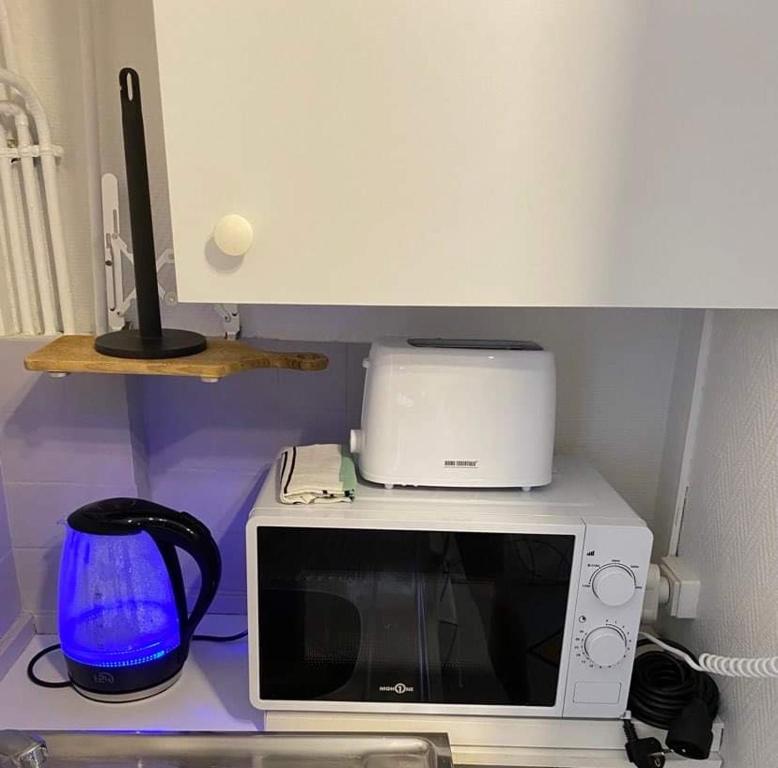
x=613, y=585
x=606, y=646
x=233, y=234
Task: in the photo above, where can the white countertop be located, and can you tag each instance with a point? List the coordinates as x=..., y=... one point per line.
x=211, y=694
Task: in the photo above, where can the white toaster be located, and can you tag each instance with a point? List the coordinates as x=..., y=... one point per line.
x=457, y=413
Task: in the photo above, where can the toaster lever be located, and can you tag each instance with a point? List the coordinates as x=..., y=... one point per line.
x=355, y=441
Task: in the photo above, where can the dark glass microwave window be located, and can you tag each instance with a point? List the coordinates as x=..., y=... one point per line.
x=412, y=616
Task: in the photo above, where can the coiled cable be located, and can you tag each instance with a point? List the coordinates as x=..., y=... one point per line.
x=669, y=693
x=662, y=685
x=726, y=666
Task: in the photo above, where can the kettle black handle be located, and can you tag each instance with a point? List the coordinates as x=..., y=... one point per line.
x=180, y=529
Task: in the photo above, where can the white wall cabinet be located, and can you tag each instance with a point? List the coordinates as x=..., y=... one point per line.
x=474, y=152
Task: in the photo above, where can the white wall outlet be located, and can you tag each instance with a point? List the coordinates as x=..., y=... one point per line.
x=684, y=587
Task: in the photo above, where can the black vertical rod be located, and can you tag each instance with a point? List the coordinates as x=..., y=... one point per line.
x=144, y=257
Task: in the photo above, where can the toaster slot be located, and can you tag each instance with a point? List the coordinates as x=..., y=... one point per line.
x=490, y=344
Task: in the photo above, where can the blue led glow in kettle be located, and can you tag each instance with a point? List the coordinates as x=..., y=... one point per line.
x=123, y=620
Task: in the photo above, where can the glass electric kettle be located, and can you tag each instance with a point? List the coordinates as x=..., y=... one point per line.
x=124, y=626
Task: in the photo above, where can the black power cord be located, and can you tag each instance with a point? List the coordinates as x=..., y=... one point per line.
x=37, y=680
x=644, y=753
x=220, y=638
x=667, y=693
x=68, y=684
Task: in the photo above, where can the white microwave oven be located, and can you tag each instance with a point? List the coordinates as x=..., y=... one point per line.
x=473, y=602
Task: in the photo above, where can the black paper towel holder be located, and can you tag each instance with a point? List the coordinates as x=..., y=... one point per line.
x=150, y=340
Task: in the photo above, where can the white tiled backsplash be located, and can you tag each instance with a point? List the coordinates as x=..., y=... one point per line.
x=9, y=591
x=205, y=448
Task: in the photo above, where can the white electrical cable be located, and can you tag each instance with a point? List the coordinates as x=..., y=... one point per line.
x=11, y=323
x=725, y=666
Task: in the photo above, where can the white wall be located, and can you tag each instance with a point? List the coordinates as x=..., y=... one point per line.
x=9, y=589
x=63, y=443
x=730, y=527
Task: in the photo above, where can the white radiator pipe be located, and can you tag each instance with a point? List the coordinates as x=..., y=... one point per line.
x=21, y=268
x=9, y=49
x=49, y=171
x=61, y=267
x=11, y=321
x=35, y=216
x=3, y=329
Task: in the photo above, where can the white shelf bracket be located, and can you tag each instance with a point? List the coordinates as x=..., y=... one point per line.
x=230, y=319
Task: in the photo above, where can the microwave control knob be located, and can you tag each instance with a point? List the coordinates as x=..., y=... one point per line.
x=605, y=646
x=613, y=585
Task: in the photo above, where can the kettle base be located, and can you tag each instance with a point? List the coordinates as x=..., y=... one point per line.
x=118, y=698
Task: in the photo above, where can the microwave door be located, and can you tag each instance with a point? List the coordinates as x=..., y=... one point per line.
x=340, y=618
x=412, y=616
x=500, y=611
x=529, y=622
x=357, y=643
x=395, y=639
x=310, y=643
x=460, y=653
x=394, y=643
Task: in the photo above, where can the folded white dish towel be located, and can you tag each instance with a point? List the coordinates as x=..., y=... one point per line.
x=316, y=474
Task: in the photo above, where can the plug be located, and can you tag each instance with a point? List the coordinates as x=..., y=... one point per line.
x=684, y=587
x=643, y=753
x=690, y=734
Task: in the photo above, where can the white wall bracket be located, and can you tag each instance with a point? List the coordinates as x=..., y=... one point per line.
x=119, y=298
x=14, y=152
x=230, y=319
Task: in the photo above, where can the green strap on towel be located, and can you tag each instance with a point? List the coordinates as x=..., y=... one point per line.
x=348, y=473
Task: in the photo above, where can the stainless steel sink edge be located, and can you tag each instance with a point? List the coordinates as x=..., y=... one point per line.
x=212, y=749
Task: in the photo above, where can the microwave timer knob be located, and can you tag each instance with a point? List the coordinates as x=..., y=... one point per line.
x=605, y=646
x=613, y=584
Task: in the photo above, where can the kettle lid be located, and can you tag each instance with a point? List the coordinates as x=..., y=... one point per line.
x=118, y=516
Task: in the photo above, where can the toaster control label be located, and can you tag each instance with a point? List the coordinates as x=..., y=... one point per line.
x=460, y=464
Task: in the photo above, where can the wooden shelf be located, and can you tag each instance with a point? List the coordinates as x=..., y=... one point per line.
x=76, y=354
